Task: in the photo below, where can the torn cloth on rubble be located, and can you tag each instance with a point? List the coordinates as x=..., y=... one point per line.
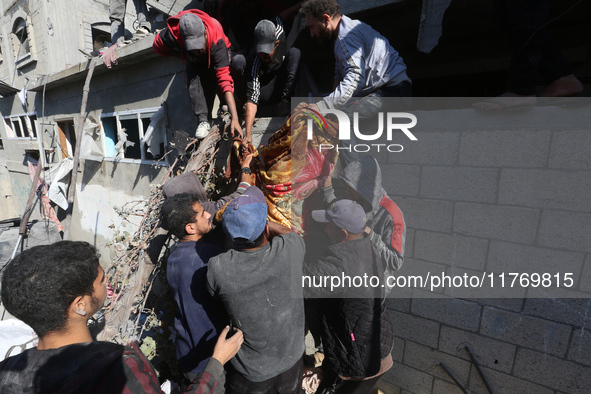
x=156, y=131
x=59, y=180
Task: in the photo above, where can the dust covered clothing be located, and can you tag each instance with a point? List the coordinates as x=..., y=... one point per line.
x=92, y=367
x=255, y=288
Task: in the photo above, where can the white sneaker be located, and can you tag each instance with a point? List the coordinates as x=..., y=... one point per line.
x=202, y=130
x=142, y=32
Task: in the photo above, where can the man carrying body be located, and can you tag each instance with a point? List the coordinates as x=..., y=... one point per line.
x=385, y=222
x=356, y=331
x=253, y=281
x=366, y=63
x=270, y=72
x=55, y=289
x=198, y=318
x=199, y=41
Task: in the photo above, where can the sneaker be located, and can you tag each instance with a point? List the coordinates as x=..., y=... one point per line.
x=202, y=130
x=141, y=33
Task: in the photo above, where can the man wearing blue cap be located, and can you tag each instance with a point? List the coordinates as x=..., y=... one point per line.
x=253, y=281
x=355, y=328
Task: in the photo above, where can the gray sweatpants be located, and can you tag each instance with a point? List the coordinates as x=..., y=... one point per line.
x=117, y=17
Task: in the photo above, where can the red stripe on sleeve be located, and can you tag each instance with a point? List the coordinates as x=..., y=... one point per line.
x=398, y=229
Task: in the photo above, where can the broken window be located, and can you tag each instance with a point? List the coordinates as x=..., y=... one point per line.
x=125, y=132
x=22, y=42
x=101, y=33
x=21, y=126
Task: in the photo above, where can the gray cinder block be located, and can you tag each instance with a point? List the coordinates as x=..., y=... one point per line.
x=453, y=250
x=451, y=311
x=552, y=372
x=505, y=148
x=565, y=230
x=496, y=222
x=425, y=214
x=546, y=189
x=570, y=149
x=488, y=352
x=538, y=334
x=460, y=183
x=415, y=328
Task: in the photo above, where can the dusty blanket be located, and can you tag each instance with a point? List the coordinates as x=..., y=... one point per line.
x=291, y=167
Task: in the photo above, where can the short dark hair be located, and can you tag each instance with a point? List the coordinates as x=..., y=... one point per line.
x=41, y=283
x=241, y=243
x=177, y=211
x=320, y=7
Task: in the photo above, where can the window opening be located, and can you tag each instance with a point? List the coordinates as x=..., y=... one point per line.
x=21, y=126
x=134, y=124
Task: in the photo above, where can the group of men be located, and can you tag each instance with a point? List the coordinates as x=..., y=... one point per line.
x=240, y=271
x=250, y=287
x=366, y=63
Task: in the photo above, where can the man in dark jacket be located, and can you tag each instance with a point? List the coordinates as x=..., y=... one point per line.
x=198, y=318
x=356, y=331
x=385, y=222
x=199, y=40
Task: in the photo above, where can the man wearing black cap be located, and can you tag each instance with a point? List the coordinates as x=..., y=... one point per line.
x=253, y=281
x=270, y=72
x=199, y=40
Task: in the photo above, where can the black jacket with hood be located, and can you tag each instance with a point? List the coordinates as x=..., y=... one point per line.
x=356, y=331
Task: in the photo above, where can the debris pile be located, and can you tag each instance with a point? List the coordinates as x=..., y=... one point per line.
x=140, y=307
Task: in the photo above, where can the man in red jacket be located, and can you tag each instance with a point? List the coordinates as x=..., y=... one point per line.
x=199, y=40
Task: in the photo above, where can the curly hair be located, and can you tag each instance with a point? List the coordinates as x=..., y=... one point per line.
x=320, y=7
x=41, y=283
x=177, y=211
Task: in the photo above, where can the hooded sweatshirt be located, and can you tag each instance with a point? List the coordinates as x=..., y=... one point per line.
x=169, y=42
x=385, y=218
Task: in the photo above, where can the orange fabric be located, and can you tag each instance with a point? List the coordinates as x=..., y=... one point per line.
x=292, y=162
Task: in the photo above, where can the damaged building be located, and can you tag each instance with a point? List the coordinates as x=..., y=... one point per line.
x=452, y=48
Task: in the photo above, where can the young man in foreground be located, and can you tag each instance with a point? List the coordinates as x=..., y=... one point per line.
x=55, y=289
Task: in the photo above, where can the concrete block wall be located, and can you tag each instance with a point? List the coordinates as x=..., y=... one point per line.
x=478, y=195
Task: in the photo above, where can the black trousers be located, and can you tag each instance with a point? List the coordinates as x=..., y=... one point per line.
x=203, y=88
x=287, y=382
